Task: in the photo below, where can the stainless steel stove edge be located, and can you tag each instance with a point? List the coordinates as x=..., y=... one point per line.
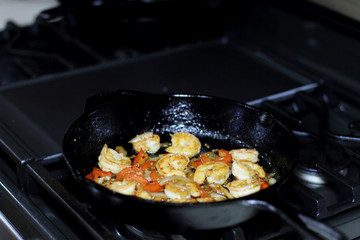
x=20, y=218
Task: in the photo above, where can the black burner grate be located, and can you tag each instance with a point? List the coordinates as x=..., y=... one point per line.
x=324, y=121
x=39, y=50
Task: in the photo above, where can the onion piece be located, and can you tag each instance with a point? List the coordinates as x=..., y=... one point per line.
x=216, y=195
x=174, y=179
x=272, y=181
x=218, y=189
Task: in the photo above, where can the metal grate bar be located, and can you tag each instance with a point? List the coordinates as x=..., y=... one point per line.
x=72, y=205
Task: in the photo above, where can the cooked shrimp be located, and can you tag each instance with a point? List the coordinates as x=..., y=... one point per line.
x=184, y=143
x=241, y=188
x=194, y=189
x=143, y=194
x=124, y=187
x=245, y=154
x=121, y=149
x=148, y=142
x=175, y=191
x=172, y=164
x=213, y=172
x=110, y=160
x=246, y=169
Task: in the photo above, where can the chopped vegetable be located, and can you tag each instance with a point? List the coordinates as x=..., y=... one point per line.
x=205, y=158
x=203, y=192
x=226, y=159
x=90, y=176
x=99, y=173
x=223, y=153
x=140, y=158
x=153, y=187
x=264, y=185
x=137, y=178
x=196, y=163
x=126, y=170
x=147, y=165
x=154, y=176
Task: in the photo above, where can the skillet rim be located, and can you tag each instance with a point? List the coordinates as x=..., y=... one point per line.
x=89, y=110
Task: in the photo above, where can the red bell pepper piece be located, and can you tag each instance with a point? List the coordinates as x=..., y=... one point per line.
x=140, y=158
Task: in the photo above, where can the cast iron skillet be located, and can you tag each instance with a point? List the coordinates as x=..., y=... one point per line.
x=114, y=118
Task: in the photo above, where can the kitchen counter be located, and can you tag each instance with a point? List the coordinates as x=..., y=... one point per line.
x=349, y=8
x=22, y=12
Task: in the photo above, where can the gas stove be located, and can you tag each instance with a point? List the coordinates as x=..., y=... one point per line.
x=271, y=55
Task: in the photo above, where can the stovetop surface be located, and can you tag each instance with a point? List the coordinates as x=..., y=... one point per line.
x=218, y=68
x=262, y=61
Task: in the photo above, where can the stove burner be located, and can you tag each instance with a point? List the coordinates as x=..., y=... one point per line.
x=145, y=234
x=309, y=166
x=313, y=176
x=313, y=155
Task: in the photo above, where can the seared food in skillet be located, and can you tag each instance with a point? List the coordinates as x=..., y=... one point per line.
x=181, y=174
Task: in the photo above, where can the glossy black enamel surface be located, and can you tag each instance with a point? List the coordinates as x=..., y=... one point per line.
x=115, y=118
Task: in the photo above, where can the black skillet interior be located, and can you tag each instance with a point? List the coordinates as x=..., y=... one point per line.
x=117, y=117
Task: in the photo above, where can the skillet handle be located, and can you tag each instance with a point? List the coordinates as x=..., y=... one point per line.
x=94, y=102
x=308, y=227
